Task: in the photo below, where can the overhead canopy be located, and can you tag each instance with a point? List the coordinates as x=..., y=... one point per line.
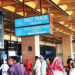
x=63, y=12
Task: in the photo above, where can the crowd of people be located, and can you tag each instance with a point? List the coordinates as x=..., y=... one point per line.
x=41, y=67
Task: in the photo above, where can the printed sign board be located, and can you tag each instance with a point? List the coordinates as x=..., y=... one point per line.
x=34, y=30
x=36, y=25
x=32, y=21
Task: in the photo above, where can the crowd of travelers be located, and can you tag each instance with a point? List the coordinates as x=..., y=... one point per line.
x=49, y=66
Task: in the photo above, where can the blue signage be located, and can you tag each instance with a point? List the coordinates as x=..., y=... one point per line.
x=31, y=21
x=33, y=30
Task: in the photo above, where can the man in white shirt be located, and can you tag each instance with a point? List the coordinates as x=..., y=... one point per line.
x=37, y=66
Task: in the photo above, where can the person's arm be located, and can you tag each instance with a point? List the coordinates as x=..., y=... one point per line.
x=35, y=66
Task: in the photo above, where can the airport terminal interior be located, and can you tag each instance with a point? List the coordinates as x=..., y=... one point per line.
x=61, y=42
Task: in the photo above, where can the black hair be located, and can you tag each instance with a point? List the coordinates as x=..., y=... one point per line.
x=10, y=58
x=16, y=58
x=36, y=57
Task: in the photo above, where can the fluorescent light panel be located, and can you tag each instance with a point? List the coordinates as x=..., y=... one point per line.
x=69, y=12
x=56, y=1
x=31, y=4
x=10, y=8
x=21, y=13
x=64, y=7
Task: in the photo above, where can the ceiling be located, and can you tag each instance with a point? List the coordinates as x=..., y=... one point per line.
x=63, y=12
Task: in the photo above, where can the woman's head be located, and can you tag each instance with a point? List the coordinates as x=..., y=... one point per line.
x=57, y=64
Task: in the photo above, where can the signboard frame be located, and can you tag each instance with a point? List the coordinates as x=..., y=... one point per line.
x=33, y=26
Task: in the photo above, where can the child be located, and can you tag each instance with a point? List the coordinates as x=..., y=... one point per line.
x=29, y=72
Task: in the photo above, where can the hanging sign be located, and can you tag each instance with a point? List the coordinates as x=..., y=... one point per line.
x=36, y=25
x=32, y=21
x=34, y=30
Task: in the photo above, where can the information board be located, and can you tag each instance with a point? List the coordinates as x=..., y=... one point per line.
x=36, y=25
x=35, y=20
x=34, y=30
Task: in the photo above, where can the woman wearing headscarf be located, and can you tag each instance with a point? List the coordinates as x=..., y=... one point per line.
x=57, y=67
x=28, y=65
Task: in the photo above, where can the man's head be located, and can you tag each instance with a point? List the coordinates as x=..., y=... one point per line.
x=10, y=61
x=41, y=57
x=36, y=57
x=16, y=59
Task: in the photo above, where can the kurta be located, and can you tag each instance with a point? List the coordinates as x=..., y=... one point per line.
x=43, y=67
x=37, y=67
x=4, y=68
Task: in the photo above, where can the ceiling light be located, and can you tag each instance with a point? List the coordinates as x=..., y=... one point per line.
x=64, y=7
x=31, y=4
x=69, y=12
x=70, y=27
x=67, y=25
x=43, y=10
x=10, y=8
x=56, y=1
x=20, y=0
x=57, y=29
x=62, y=22
x=21, y=13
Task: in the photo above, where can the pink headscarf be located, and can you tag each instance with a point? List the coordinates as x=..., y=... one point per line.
x=57, y=65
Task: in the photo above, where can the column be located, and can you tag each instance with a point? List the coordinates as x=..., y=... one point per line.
x=67, y=48
x=33, y=43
